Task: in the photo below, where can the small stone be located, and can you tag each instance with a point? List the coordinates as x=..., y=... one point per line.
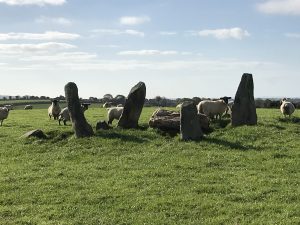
x=35, y=133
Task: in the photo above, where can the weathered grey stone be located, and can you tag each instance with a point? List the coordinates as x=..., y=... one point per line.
x=133, y=107
x=102, y=125
x=243, y=109
x=167, y=120
x=35, y=133
x=79, y=123
x=190, y=122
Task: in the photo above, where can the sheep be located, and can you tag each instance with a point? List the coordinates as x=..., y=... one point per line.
x=229, y=108
x=107, y=105
x=114, y=113
x=287, y=108
x=3, y=114
x=179, y=106
x=65, y=116
x=212, y=108
x=28, y=107
x=9, y=107
x=54, y=109
x=119, y=105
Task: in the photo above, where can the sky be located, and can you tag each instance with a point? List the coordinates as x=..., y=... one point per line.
x=179, y=48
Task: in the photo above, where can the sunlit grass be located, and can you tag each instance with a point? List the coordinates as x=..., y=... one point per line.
x=242, y=175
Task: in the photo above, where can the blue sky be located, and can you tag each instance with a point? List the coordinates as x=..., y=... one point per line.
x=179, y=48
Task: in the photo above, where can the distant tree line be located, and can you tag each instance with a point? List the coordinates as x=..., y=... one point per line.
x=158, y=101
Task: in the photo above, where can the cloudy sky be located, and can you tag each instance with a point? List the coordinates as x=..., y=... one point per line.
x=179, y=48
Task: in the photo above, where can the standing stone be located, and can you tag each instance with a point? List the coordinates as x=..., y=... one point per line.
x=190, y=128
x=133, y=107
x=243, y=109
x=79, y=123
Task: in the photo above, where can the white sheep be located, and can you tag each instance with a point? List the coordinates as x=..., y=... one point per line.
x=179, y=106
x=212, y=108
x=28, y=107
x=287, y=108
x=3, y=114
x=9, y=107
x=114, y=113
x=64, y=115
x=54, y=109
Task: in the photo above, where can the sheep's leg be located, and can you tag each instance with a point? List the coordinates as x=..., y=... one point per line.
x=65, y=122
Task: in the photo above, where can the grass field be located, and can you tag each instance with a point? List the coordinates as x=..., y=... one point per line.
x=243, y=175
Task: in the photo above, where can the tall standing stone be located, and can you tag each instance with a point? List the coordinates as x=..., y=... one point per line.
x=133, y=107
x=243, y=109
x=190, y=128
x=79, y=123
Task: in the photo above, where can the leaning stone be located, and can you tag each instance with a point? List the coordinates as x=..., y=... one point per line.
x=165, y=120
x=133, y=107
x=243, y=109
x=102, y=125
x=79, y=123
x=190, y=128
x=35, y=133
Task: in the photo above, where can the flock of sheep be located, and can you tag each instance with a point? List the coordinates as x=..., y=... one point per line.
x=211, y=108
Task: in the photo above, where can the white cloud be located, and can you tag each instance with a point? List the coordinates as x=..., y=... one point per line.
x=148, y=52
x=61, y=57
x=118, y=32
x=47, y=36
x=235, y=33
x=132, y=20
x=34, y=48
x=281, y=7
x=167, y=33
x=108, y=46
x=33, y=2
x=55, y=20
x=292, y=35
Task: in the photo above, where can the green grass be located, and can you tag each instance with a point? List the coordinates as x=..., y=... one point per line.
x=242, y=175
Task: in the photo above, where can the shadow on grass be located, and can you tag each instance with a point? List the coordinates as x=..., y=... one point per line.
x=123, y=137
x=220, y=123
x=275, y=126
x=228, y=144
x=56, y=136
x=290, y=120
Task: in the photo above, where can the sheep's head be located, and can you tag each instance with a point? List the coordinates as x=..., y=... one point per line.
x=282, y=100
x=85, y=106
x=225, y=99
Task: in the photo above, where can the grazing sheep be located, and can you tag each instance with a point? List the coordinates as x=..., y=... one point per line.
x=28, y=107
x=114, y=113
x=212, y=108
x=3, y=114
x=107, y=104
x=65, y=116
x=287, y=108
x=229, y=108
x=54, y=109
x=179, y=106
x=119, y=105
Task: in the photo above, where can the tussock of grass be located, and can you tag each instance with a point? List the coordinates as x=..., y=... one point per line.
x=241, y=175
